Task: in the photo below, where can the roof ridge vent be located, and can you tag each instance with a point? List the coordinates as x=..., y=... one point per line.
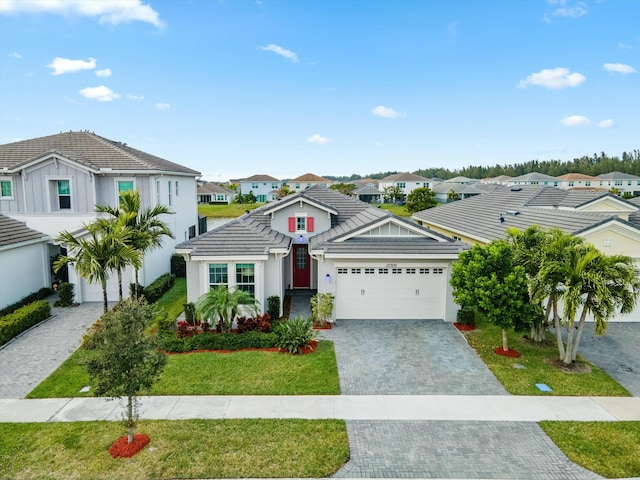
x=516, y=189
x=513, y=212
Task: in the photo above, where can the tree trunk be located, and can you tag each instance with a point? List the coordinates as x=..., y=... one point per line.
x=537, y=332
x=505, y=343
x=135, y=286
x=120, y=284
x=556, y=325
x=583, y=318
x=105, y=303
x=567, y=354
x=129, y=419
x=547, y=311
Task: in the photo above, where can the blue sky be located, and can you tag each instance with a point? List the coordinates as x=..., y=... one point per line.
x=234, y=88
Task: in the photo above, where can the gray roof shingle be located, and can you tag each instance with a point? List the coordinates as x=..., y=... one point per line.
x=13, y=232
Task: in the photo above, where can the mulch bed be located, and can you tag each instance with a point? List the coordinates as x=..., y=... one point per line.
x=122, y=449
x=511, y=353
x=464, y=328
x=326, y=327
x=310, y=349
x=575, y=367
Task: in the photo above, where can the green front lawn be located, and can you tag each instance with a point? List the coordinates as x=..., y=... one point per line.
x=399, y=210
x=253, y=448
x=232, y=210
x=611, y=449
x=535, y=359
x=208, y=373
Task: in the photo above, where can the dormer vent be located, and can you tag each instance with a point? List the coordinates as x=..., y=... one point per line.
x=513, y=212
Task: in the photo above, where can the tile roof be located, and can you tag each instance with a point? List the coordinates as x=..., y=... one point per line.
x=88, y=149
x=258, y=178
x=404, y=177
x=310, y=177
x=617, y=176
x=533, y=177
x=576, y=176
x=479, y=216
x=211, y=187
x=14, y=232
x=251, y=234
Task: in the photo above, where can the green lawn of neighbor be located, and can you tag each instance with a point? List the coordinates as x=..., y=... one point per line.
x=250, y=448
x=226, y=211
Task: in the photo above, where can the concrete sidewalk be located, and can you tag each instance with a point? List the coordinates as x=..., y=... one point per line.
x=486, y=408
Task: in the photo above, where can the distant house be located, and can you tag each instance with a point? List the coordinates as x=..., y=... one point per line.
x=53, y=183
x=578, y=181
x=406, y=181
x=447, y=192
x=264, y=187
x=24, y=256
x=377, y=265
x=213, y=193
x=499, y=180
x=462, y=180
x=535, y=178
x=307, y=180
x=624, y=182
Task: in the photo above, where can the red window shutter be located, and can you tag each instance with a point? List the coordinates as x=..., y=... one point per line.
x=292, y=224
x=309, y=224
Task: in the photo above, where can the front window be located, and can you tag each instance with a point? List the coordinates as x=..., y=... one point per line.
x=402, y=184
x=218, y=274
x=618, y=183
x=6, y=190
x=220, y=197
x=255, y=185
x=170, y=194
x=571, y=184
x=123, y=186
x=587, y=183
x=246, y=278
x=297, y=186
x=274, y=186
x=301, y=224
x=157, y=191
x=64, y=195
x=177, y=190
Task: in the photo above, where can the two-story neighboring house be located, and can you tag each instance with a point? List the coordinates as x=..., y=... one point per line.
x=578, y=181
x=264, y=187
x=623, y=182
x=53, y=183
x=307, y=180
x=377, y=265
x=534, y=178
x=406, y=181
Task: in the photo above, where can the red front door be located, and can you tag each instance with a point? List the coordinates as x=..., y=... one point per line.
x=301, y=267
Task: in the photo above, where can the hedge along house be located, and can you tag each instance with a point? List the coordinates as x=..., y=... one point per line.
x=377, y=265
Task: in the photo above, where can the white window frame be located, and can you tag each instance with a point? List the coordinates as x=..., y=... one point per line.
x=240, y=285
x=117, y=180
x=214, y=285
x=177, y=189
x=52, y=182
x=170, y=193
x=157, y=192
x=8, y=180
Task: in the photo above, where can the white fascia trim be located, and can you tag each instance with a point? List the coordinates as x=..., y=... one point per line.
x=449, y=229
x=228, y=259
x=621, y=228
x=107, y=171
x=306, y=200
x=53, y=157
x=384, y=221
x=624, y=206
x=415, y=256
x=26, y=243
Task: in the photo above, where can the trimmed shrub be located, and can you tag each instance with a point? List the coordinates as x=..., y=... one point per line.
x=169, y=342
x=261, y=323
x=159, y=286
x=65, y=295
x=39, y=295
x=190, y=313
x=295, y=334
x=22, y=319
x=273, y=306
x=466, y=316
x=178, y=266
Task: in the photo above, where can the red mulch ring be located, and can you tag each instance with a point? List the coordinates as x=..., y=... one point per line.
x=310, y=349
x=122, y=449
x=464, y=328
x=326, y=327
x=511, y=353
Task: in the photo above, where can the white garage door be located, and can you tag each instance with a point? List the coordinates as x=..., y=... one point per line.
x=390, y=293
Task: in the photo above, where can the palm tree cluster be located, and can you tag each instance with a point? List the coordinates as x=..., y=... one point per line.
x=115, y=242
x=565, y=270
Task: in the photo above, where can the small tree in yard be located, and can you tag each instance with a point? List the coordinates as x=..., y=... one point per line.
x=486, y=279
x=222, y=304
x=125, y=361
x=421, y=199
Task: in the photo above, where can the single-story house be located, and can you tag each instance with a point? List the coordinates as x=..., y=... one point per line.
x=24, y=257
x=213, y=193
x=377, y=265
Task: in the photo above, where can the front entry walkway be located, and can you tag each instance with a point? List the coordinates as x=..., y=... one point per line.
x=300, y=303
x=408, y=357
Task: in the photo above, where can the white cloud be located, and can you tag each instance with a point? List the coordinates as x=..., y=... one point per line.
x=101, y=93
x=575, y=121
x=61, y=65
x=134, y=97
x=608, y=123
x=106, y=11
x=103, y=73
x=385, y=112
x=288, y=54
x=566, y=9
x=553, y=78
x=317, y=138
x=15, y=55
x=619, y=68
x=163, y=106
x=624, y=46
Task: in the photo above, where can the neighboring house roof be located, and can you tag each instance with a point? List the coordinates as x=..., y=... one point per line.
x=310, y=177
x=13, y=232
x=534, y=177
x=461, y=179
x=404, y=177
x=575, y=176
x=366, y=190
x=258, y=178
x=251, y=234
x=88, y=149
x=479, y=217
x=498, y=179
x=463, y=188
x=211, y=187
x=617, y=176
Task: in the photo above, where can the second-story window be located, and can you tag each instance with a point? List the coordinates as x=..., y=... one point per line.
x=170, y=193
x=402, y=184
x=64, y=195
x=301, y=224
x=177, y=189
x=6, y=189
x=255, y=185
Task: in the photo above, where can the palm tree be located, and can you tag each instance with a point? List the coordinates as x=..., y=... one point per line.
x=222, y=304
x=145, y=225
x=97, y=256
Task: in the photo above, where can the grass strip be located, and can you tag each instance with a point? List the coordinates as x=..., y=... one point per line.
x=535, y=359
x=610, y=449
x=252, y=448
x=239, y=373
x=232, y=210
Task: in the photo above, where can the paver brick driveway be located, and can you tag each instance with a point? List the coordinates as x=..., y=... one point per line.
x=408, y=357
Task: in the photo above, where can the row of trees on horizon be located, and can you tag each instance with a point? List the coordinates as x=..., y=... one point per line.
x=593, y=165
